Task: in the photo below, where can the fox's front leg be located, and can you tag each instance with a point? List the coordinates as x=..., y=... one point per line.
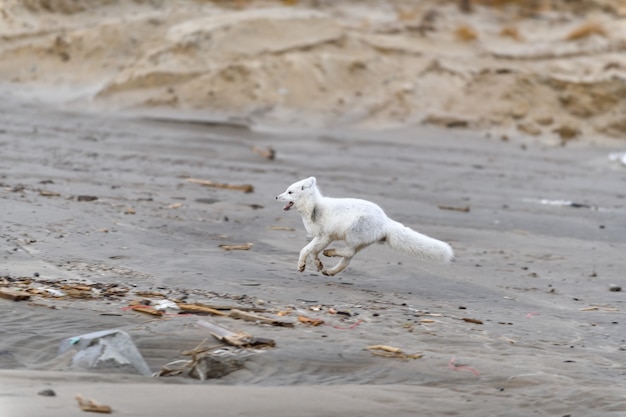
x=314, y=247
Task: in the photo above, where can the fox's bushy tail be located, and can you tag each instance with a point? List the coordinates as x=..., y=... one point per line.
x=407, y=240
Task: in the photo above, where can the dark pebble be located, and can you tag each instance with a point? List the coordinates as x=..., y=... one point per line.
x=86, y=198
x=615, y=288
x=47, y=393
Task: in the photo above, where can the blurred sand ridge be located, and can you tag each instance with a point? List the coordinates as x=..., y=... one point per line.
x=550, y=68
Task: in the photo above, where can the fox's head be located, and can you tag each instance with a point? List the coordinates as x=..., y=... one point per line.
x=298, y=192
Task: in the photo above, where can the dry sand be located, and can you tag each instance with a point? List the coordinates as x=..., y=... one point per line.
x=109, y=109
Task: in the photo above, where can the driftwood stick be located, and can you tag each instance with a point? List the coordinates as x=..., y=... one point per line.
x=243, y=315
x=246, y=188
x=194, y=308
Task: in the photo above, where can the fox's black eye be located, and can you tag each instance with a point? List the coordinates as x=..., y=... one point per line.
x=289, y=192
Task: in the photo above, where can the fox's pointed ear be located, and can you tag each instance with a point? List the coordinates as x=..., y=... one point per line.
x=309, y=182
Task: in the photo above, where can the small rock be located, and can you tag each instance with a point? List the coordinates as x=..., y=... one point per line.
x=86, y=198
x=47, y=393
x=615, y=288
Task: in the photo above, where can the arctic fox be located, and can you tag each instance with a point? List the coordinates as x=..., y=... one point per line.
x=357, y=222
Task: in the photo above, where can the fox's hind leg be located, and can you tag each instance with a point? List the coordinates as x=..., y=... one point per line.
x=345, y=254
x=343, y=264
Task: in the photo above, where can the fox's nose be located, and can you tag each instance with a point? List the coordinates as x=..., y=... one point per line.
x=276, y=197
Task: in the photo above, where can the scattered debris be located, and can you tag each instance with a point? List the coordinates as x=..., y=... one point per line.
x=86, y=198
x=46, y=193
x=452, y=365
x=227, y=307
x=142, y=308
x=385, y=348
x=166, y=306
x=603, y=308
x=465, y=209
x=150, y=294
x=311, y=321
x=14, y=294
x=333, y=310
x=206, y=362
x=243, y=315
x=107, y=350
x=285, y=228
x=92, y=406
x=352, y=326
x=615, y=288
x=246, y=188
x=198, y=308
x=243, y=246
x=469, y=320
x=532, y=313
x=238, y=339
x=392, y=352
x=47, y=393
x=268, y=153
x=210, y=363
x=562, y=203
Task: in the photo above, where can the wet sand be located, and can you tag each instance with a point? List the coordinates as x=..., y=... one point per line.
x=534, y=271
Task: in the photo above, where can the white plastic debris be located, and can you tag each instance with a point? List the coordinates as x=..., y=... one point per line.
x=53, y=292
x=164, y=305
x=107, y=350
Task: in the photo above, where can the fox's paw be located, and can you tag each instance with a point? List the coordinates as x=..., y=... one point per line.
x=327, y=272
x=330, y=253
x=301, y=268
x=318, y=264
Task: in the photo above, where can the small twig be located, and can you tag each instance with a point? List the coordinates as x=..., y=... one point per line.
x=463, y=209
x=194, y=308
x=243, y=315
x=90, y=405
x=246, y=188
x=243, y=246
x=268, y=153
x=286, y=228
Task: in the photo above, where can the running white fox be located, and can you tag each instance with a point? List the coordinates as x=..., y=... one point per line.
x=357, y=222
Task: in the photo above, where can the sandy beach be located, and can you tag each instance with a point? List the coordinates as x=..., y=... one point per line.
x=104, y=209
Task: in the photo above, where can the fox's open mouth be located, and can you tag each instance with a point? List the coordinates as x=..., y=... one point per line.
x=288, y=206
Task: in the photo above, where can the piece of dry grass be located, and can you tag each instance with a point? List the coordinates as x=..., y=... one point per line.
x=466, y=33
x=585, y=30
